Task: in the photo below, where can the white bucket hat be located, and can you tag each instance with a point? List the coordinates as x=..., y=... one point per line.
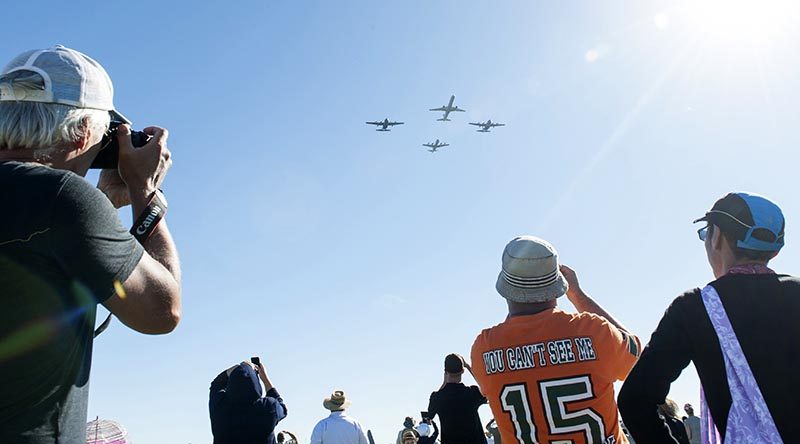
x=530, y=272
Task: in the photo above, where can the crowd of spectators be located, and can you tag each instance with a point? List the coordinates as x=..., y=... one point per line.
x=547, y=374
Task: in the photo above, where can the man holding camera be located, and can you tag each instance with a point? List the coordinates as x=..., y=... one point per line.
x=63, y=248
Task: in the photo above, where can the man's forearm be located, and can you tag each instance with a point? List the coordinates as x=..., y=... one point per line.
x=267, y=384
x=159, y=245
x=162, y=248
x=584, y=303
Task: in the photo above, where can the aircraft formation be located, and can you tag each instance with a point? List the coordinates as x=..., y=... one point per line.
x=485, y=127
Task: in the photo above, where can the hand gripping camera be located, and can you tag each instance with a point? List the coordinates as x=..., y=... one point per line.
x=108, y=158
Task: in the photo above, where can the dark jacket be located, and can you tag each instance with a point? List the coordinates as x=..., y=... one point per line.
x=239, y=414
x=763, y=312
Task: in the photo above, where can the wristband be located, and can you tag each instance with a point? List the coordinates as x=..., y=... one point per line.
x=150, y=217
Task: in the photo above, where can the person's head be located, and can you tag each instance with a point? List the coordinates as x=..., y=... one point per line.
x=55, y=107
x=668, y=409
x=243, y=385
x=530, y=279
x=408, y=422
x=337, y=402
x=409, y=437
x=688, y=409
x=742, y=228
x=280, y=438
x=454, y=367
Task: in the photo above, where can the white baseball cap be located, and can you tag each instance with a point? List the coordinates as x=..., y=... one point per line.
x=58, y=75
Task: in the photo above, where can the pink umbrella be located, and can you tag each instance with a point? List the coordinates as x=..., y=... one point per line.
x=104, y=431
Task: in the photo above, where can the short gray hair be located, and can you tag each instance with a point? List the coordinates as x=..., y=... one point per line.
x=47, y=126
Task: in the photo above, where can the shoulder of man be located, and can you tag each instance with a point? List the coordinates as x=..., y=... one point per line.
x=77, y=189
x=489, y=337
x=687, y=301
x=604, y=332
x=36, y=183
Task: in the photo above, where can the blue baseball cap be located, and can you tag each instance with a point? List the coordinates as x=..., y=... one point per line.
x=754, y=221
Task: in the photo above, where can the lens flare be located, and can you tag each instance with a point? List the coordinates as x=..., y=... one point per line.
x=742, y=22
x=119, y=289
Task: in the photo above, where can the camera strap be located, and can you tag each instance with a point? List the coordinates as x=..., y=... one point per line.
x=150, y=217
x=103, y=326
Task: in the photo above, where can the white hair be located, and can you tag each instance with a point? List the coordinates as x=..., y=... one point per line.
x=47, y=126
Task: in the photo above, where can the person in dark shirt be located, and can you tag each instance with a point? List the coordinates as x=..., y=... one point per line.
x=457, y=405
x=743, y=233
x=63, y=248
x=238, y=411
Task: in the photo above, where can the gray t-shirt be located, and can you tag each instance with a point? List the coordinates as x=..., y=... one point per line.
x=62, y=246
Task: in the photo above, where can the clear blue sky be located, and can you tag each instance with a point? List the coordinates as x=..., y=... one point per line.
x=348, y=258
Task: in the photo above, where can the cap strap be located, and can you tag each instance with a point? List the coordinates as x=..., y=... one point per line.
x=751, y=243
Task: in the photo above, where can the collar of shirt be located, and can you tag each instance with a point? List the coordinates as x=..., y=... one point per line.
x=750, y=269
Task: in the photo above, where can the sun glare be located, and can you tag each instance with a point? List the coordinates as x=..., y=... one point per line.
x=742, y=22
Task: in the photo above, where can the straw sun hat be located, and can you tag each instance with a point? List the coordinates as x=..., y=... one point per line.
x=337, y=401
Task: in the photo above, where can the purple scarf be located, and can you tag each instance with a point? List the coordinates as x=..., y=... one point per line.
x=749, y=420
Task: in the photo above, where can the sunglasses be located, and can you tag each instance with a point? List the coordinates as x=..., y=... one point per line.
x=703, y=233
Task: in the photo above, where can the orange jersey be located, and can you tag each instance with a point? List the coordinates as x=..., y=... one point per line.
x=549, y=377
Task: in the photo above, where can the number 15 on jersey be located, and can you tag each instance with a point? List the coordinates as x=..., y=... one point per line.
x=555, y=394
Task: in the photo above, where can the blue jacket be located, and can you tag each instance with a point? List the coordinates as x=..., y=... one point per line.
x=239, y=414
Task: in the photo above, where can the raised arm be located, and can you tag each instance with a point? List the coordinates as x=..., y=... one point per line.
x=582, y=301
x=150, y=300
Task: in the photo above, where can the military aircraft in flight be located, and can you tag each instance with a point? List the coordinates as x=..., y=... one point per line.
x=434, y=146
x=447, y=109
x=384, y=125
x=486, y=126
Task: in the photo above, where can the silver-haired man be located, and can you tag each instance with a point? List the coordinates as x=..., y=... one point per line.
x=63, y=248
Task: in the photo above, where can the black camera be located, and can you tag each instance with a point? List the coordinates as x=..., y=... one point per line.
x=108, y=157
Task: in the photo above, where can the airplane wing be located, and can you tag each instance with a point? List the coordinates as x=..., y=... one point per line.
x=498, y=124
x=374, y=123
x=476, y=124
x=438, y=109
x=458, y=109
x=429, y=145
x=395, y=123
x=444, y=144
